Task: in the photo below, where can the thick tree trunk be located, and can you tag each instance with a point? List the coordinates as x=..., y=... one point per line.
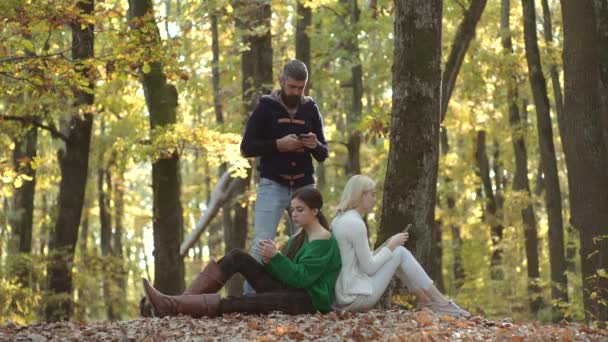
x=464, y=35
x=23, y=202
x=586, y=154
x=553, y=197
x=256, y=70
x=491, y=208
x=73, y=162
x=411, y=176
x=161, y=100
x=601, y=10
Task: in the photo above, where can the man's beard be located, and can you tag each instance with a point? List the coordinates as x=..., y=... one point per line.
x=291, y=101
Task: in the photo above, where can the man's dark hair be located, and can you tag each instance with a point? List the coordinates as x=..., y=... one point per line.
x=295, y=70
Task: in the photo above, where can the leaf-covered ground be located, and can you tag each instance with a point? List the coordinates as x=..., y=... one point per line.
x=392, y=325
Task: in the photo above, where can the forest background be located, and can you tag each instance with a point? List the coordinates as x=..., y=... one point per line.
x=118, y=118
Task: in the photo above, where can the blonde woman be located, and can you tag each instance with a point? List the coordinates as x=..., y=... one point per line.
x=365, y=275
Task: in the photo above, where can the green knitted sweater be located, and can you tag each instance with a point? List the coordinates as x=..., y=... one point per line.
x=315, y=268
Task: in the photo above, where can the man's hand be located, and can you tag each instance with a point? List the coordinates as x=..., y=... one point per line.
x=309, y=140
x=289, y=143
x=268, y=249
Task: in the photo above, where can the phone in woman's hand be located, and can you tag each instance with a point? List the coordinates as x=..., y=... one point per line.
x=407, y=228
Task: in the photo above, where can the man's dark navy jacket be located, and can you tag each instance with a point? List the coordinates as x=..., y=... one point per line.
x=271, y=121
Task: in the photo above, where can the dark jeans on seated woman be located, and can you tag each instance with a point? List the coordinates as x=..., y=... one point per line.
x=271, y=295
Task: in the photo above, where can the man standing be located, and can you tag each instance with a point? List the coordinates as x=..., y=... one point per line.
x=285, y=130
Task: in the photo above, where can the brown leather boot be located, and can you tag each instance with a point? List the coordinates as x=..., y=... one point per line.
x=193, y=305
x=209, y=280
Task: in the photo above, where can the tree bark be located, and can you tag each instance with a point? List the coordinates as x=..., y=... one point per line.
x=121, y=272
x=105, y=218
x=586, y=155
x=411, y=176
x=464, y=36
x=557, y=88
x=256, y=68
x=161, y=100
x=457, y=265
x=601, y=10
x=553, y=197
x=23, y=202
x=73, y=163
x=354, y=116
x=303, y=22
x=491, y=208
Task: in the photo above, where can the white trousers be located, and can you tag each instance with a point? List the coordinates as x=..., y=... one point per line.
x=403, y=265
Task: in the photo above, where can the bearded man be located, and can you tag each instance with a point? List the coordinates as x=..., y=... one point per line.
x=286, y=131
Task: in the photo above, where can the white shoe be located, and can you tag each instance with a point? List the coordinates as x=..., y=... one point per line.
x=448, y=309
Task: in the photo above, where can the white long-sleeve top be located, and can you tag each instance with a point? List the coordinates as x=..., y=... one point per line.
x=358, y=262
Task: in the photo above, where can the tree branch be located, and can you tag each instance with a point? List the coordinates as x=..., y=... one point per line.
x=36, y=122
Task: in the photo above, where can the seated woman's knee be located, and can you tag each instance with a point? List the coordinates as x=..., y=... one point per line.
x=403, y=253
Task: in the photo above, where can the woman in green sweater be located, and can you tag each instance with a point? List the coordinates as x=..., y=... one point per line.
x=300, y=282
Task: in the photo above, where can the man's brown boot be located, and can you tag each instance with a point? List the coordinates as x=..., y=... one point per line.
x=209, y=280
x=192, y=305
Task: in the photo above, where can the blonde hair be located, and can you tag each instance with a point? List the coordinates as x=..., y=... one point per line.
x=353, y=191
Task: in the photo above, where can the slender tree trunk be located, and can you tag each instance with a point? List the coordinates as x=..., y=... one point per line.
x=460, y=45
x=521, y=182
x=168, y=226
x=557, y=88
x=457, y=265
x=553, y=197
x=303, y=23
x=215, y=234
x=121, y=273
x=23, y=202
x=411, y=176
x=73, y=162
x=105, y=218
x=256, y=68
x=354, y=116
x=586, y=154
x=491, y=208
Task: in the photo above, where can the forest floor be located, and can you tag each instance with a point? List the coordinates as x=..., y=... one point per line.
x=391, y=325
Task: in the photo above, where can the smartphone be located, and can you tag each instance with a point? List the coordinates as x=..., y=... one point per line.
x=407, y=228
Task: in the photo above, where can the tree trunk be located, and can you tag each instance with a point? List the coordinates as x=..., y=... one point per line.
x=557, y=88
x=219, y=118
x=354, y=116
x=457, y=265
x=303, y=21
x=586, y=155
x=411, y=176
x=23, y=202
x=121, y=272
x=161, y=100
x=553, y=197
x=601, y=10
x=105, y=218
x=464, y=35
x=73, y=163
x=256, y=68
x=520, y=181
x=490, y=211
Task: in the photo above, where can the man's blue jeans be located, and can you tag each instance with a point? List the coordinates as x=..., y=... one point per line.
x=271, y=201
